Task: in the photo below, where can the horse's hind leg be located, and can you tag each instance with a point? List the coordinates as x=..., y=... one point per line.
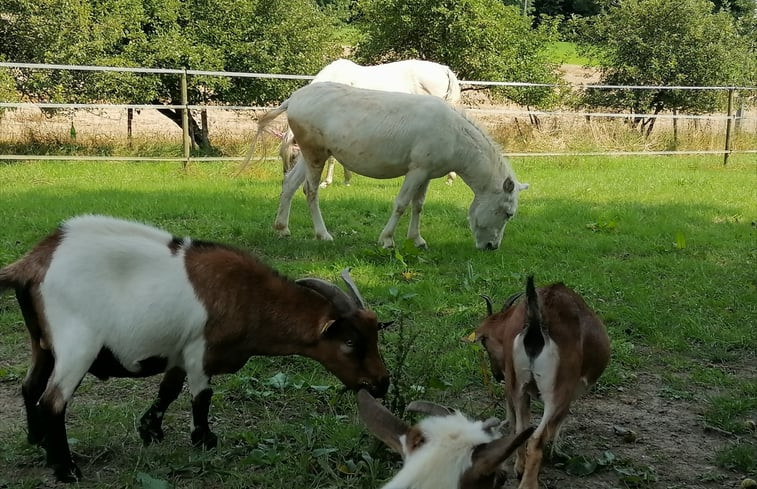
x=414, y=230
x=315, y=160
x=292, y=180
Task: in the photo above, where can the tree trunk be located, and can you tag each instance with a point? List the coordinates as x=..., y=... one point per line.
x=196, y=135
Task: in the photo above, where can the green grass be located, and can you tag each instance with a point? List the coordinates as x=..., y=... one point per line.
x=563, y=52
x=664, y=248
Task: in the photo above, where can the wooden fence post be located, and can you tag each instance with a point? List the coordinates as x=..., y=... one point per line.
x=728, y=123
x=129, y=122
x=185, y=117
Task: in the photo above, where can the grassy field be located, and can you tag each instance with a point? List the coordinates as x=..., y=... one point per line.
x=664, y=248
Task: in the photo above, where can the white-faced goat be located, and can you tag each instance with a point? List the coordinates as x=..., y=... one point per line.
x=121, y=299
x=445, y=450
x=551, y=346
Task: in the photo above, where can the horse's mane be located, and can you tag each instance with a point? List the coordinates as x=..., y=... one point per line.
x=496, y=149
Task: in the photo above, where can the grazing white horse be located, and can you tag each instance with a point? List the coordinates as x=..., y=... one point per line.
x=409, y=76
x=386, y=135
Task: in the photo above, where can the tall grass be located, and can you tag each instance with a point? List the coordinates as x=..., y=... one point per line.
x=664, y=248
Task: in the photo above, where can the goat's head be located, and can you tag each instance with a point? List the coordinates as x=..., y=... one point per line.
x=509, y=319
x=445, y=450
x=348, y=343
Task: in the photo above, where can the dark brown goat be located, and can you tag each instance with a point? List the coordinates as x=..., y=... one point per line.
x=121, y=299
x=550, y=346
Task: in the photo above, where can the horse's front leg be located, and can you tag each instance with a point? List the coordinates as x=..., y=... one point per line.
x=414, y=230
x=292, y=180
x=414, y=181
x=329, y=174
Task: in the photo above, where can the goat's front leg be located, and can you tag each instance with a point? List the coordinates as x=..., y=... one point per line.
x=292, y=181
x=410, y=186
x=150, y=426
x=414, y=230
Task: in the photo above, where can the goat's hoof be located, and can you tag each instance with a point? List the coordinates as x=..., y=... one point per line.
x=324, y=237
x=205, y=438
x=324, y=184
x=150, y=434
x=66, y=472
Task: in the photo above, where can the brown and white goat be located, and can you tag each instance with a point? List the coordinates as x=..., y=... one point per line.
x=550, y=346
x=121, y=299
x=445, y=450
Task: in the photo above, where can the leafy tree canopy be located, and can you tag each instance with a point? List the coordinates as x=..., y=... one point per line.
x=478, y=39
x=268, y=36
x=658, y=42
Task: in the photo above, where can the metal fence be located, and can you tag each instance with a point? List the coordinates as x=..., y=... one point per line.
x=729, y=117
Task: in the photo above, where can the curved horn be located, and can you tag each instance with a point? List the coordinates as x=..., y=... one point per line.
x=353, y=288
x=511, y=300
x=488, y=304
x=341, y=301
x=430, y=408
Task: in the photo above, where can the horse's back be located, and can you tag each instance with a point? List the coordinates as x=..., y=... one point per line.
x=375, y=133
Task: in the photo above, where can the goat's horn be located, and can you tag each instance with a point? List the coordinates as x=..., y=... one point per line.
x=430, y=408
x=489, y=310
x=353, y=288
x=491, y=423
x=511, y=300
x=341, y=301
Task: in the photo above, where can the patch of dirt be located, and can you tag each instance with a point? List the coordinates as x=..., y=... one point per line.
x=672, y=444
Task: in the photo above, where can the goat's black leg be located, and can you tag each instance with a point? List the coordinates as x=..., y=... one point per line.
x=52, y=407
x=201, y=435
x=151, y=424
x=32, y=388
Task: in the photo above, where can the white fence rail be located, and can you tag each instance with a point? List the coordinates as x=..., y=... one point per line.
x=185, y=107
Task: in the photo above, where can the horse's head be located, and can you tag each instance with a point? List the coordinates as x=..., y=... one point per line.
x=490, y=211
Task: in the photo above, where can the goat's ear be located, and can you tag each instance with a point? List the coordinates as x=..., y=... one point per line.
x=428, y=407
x=380, y=421
x=489, y=456
x=326, y=326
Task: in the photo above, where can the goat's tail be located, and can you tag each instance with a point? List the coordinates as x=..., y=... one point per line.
x=536, y=330
x=267, y=118
x=9, y=278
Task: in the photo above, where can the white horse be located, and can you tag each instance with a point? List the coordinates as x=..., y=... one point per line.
x=386, y=135
x=409, y=76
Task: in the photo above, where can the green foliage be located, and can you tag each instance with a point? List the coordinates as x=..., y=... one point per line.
x=657, y=42
x=478, y=39
x=275, y=36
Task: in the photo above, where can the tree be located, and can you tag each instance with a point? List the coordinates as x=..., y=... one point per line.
x=478, y=39
x=658, y=42
x=268, y=36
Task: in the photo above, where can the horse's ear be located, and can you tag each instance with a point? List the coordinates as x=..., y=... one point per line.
x=509, y=185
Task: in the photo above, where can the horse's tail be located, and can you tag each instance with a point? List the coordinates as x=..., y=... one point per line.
x=266, y=119
x=453, y=87
x=288, y=150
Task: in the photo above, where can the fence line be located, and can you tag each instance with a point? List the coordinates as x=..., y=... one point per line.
x=235, y=74
x=185, y=107
x=611, y=115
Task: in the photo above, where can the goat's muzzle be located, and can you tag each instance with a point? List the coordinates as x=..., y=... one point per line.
x=378, y=389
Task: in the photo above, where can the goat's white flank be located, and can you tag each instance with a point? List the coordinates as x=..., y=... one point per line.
x=115, y=284
x=387, y=135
